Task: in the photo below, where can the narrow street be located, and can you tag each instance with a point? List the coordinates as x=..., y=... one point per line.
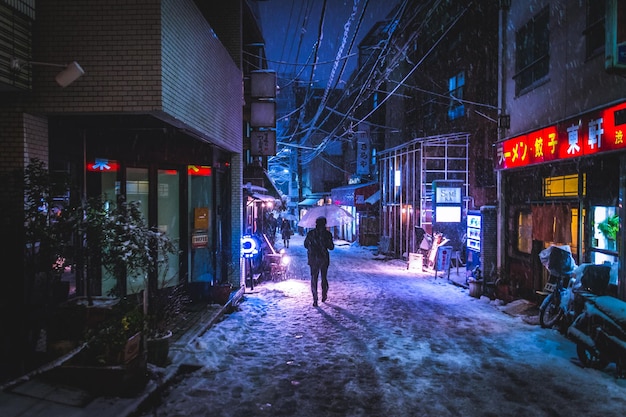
x=389, y=342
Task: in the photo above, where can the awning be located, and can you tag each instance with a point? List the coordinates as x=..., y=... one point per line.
x=309, y=202
x=252, y=188
x=353, y=195
x=259, y=180
x=374, y=198
x=263, y=197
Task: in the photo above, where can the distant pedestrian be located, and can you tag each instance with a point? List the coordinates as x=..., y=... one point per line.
x=317, y=243
x=286, y=232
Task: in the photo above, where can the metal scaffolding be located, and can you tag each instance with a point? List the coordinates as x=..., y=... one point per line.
x=407, y=174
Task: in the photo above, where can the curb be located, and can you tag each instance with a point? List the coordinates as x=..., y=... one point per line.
x=179, y=357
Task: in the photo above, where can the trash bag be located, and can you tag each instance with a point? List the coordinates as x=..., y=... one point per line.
x=558, y=260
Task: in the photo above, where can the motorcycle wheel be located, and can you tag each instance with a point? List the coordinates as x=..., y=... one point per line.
x=589, y=358
x=550, y=315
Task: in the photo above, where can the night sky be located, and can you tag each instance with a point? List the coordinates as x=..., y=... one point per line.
x=291, y=28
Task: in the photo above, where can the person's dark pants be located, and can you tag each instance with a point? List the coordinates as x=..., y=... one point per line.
x=316, y=271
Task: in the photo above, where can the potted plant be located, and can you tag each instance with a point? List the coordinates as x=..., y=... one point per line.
x=609, y=228
x=222, y=289
x=475, y=283
x=503, y=286
x=167, y=306
x=46, y=234
x=131, y=248
x=116, y=341
x=110, y=362
x=127, y=247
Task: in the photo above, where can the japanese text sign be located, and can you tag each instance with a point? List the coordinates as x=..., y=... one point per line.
x=592, y=133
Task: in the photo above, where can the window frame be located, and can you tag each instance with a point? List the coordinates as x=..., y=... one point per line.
x=524, y=232
x=532, y=52
x=595, y=30
x=456, y=85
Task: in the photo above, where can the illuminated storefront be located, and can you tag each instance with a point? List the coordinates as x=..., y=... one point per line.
x=352, y=199
x=562, y=187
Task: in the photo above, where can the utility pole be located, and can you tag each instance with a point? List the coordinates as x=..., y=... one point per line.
x=300, y=180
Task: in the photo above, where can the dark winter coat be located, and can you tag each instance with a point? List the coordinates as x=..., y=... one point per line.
x=286, y=231
x=318, y=242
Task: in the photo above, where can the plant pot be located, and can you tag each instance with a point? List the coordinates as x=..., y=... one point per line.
x=220, y=294
x=503, y=292
x=159, y=349
x=475, y=288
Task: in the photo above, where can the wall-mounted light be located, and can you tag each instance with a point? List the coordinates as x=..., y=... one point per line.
x=70, y=73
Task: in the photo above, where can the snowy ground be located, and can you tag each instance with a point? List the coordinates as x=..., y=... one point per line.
x=388, y=342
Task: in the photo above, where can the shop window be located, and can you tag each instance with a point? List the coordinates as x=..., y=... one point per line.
x=532, y=45
x=524, y=232
x=563, y=186
x=606, y=224
x=168, y=217
x=137, y=189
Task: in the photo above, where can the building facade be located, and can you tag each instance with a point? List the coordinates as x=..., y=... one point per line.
x=157, y=117
x=440, y=117
x=561, y=163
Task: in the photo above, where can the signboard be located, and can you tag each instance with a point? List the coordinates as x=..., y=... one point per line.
x=249, y=247
x=263, y=142
x=444, y=254
x=201, y=218
x=199, y=239
x=263, y=84
x=363, y=155
x=592, y=133
x=263, y=114
x=447, y=201
x=103, y=165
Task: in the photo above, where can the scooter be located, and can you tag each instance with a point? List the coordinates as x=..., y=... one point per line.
x=559, y=307
x=600, y=333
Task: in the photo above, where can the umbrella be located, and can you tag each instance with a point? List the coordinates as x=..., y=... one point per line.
x=335, y=216
x=289, y=216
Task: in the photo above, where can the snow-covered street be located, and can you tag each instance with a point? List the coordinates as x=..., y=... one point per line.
x=388, y=342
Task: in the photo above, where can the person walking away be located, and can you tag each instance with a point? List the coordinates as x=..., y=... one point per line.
x=317, y=243
x=286, y=232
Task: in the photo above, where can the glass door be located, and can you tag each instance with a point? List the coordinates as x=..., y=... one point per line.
x=137, y=189
x=168, y=220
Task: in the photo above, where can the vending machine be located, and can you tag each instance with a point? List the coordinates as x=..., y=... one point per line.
x=473, y=241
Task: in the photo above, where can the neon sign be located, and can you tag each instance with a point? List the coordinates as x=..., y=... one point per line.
x=103, y=165
x=596, y=132
x=200, y=170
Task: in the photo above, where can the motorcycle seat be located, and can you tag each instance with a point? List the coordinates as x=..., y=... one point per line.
x=547, y=289
x=613, y=307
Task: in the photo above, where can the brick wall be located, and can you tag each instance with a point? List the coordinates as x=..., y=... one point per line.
x=236, y=169
x=118, y=45
x=35, y=138
x=142, y=56
x=11, y=138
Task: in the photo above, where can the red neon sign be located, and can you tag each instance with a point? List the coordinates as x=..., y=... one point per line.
x=103, y=165
x=590, y=134
x=200, y=170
